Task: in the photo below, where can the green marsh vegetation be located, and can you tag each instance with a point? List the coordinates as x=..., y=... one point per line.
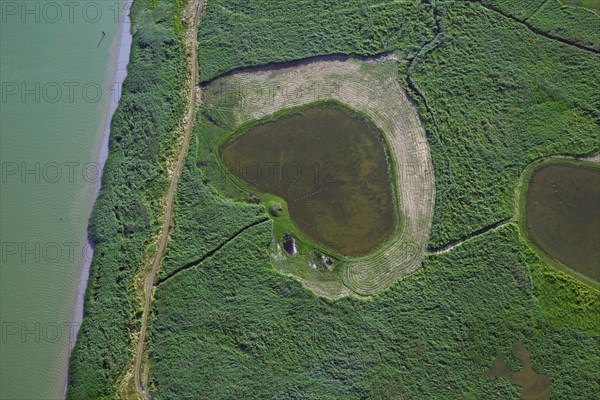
x=204, y=218
x=498, y=97
x=259, y=334
x=243, y=33
x=589, y=4
x=575, y=24
x=125, y=215
x=493, y=96
x=578, y=25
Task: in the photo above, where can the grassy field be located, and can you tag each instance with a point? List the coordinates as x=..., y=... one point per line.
x=493, y=94
x=243, y=33
x=589, y=4
x=499, y=96
x=234, y=327
x=125, y=215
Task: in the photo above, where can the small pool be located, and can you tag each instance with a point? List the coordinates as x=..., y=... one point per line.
x=330, y=166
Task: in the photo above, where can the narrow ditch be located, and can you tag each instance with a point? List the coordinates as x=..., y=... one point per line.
x=536, y=30
x=449, y=246
x=420, y=56
x=198, y=261
x=279, y=65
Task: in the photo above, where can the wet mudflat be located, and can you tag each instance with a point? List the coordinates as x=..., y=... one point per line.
x=563, y=215
x=331, y=168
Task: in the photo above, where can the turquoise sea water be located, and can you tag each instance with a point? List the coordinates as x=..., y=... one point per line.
x=57, y=65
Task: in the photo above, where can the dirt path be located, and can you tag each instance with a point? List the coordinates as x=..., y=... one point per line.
x=595, y=158
x=372, y=87
x=192, y=14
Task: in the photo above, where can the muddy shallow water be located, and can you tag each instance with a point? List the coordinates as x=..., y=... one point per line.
x=563, y=215
x=535, y=386
x=331, y=168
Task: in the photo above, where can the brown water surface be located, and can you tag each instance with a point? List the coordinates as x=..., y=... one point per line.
x=563, y=215
x=535, y=386
x=331, y=168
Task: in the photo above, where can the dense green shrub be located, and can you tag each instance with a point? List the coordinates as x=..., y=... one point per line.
x=589, y=4
x=203, y=219
x=571, y=23
x=234, y=328
x=499, y=96
x=517, y=8
x=123, y=218
x=574, y=24
x=242, y=33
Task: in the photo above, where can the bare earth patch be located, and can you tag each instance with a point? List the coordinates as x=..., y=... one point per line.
x=371, y=87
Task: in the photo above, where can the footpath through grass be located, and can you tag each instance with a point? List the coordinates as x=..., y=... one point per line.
x=497, y=97
x=125, y=217
x=493, y=95
x=234, y=327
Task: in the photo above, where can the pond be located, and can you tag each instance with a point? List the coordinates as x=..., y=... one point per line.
x=534, y=386
x=563, y=215
x=330, y=166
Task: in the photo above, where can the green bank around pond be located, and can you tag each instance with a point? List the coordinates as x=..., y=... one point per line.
x=327, y=167
x=593, y=5
x=561, y=215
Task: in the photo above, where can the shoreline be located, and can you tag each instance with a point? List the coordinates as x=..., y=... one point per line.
x=121, y=55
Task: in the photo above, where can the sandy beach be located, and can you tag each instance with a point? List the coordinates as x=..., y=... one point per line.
x=120, y=48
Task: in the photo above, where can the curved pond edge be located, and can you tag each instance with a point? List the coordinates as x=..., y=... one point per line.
x=371, y=86
x=298, y=234
x=521, y=199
